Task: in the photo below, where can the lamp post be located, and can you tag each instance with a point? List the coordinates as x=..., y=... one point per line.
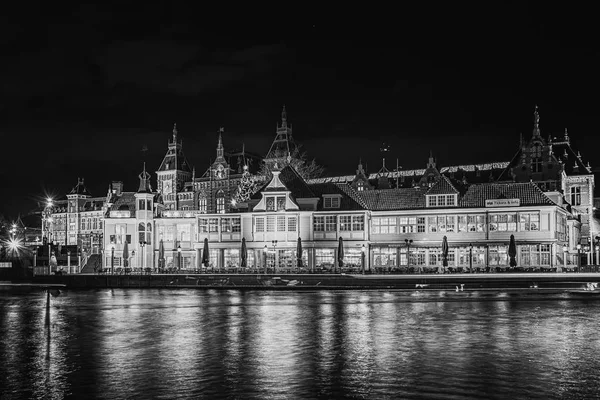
x=408, y=243
x=274, y=243
x=178, y=257
x=143, y=245
x=471, y=257
x=37, y=246
x=112, y=258
x=565, y=250
x=265, y=257
x=578, y=257
x=362, y=258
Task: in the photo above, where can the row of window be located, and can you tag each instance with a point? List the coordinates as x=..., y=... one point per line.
x=211, y=225
x=276, y=223
x=511, y=222
x=333, y=223
x=441, y=200
x=527, y=255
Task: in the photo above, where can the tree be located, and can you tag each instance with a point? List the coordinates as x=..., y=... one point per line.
x=298, y=159
x=247, y=187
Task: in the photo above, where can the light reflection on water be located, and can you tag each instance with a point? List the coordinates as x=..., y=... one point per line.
x=114, y=344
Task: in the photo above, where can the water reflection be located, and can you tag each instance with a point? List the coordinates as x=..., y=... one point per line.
x=239, y=344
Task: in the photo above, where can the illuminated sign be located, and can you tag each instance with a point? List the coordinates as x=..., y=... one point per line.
x=503, y=203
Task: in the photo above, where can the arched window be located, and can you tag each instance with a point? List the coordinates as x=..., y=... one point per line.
x=202, y=205
x=220, y=202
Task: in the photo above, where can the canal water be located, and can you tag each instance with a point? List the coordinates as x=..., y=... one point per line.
x=208, y=344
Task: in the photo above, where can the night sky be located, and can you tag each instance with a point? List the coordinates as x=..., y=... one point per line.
x=84, y=89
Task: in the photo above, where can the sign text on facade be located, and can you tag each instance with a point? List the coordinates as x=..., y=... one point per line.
x=503, y=203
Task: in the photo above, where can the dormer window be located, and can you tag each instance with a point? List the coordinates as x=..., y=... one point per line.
x=270, y=203
x=441, y=200
x=331, y=201
x=361, y=186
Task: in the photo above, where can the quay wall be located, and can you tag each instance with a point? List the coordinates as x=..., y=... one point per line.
x=316, y=281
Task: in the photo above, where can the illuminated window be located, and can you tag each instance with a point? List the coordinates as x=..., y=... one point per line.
x=575, y=195
x=202, y=205
x=384, y=225
x=220, y=205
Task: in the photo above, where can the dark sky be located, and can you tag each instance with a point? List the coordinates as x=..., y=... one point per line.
x=83, y=89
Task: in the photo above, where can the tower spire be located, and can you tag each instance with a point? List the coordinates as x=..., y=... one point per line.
x=536, y=122
x=144, y=181
x=175, y=133
x=220, y=143
x=283, y=118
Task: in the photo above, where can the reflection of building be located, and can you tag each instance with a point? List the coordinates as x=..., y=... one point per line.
x=542, y=197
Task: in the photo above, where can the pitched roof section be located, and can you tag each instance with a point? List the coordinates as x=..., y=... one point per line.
x=473, y=173
x=291, y=181
x=528, y=193
x=348, y=198
x=125, y=202
x=443, y=186
x=394, y=199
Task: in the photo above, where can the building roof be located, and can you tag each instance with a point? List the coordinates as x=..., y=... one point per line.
x=125, y=202
x=443, y=186
x=349, y=200
x=394, y=199
x=80, y=188
x=528, y=193
x=472, y=173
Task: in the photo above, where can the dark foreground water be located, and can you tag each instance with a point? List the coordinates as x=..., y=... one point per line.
x=169, y=344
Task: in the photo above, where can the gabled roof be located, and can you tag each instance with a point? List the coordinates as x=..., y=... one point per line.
x=394, y=199
x=528, y=193
x=293, y=182
x=443, y=186
x=174, y=156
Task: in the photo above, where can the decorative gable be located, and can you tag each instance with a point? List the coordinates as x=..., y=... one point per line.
x=276, y=196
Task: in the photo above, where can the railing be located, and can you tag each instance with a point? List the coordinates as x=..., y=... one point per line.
x=180, y=214
x=120, y=214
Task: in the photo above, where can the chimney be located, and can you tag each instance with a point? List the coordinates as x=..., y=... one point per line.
x=117, y=187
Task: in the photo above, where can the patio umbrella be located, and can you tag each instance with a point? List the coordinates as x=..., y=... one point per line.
x=445, y=252
x=340, y=253
x=161, y=254
x=205, y=258
x=244, y=254
x=512, y=252
x=125, y=255
x=299, y=254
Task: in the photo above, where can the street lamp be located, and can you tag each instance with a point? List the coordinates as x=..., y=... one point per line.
x=565, y=249
x=408, y=243
x=274, y=243
x=362, y=257
x=471, y=257
x=142, y=245
x=265, y=257
x=112, y=258
x=578, y=257
x=179, y=257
